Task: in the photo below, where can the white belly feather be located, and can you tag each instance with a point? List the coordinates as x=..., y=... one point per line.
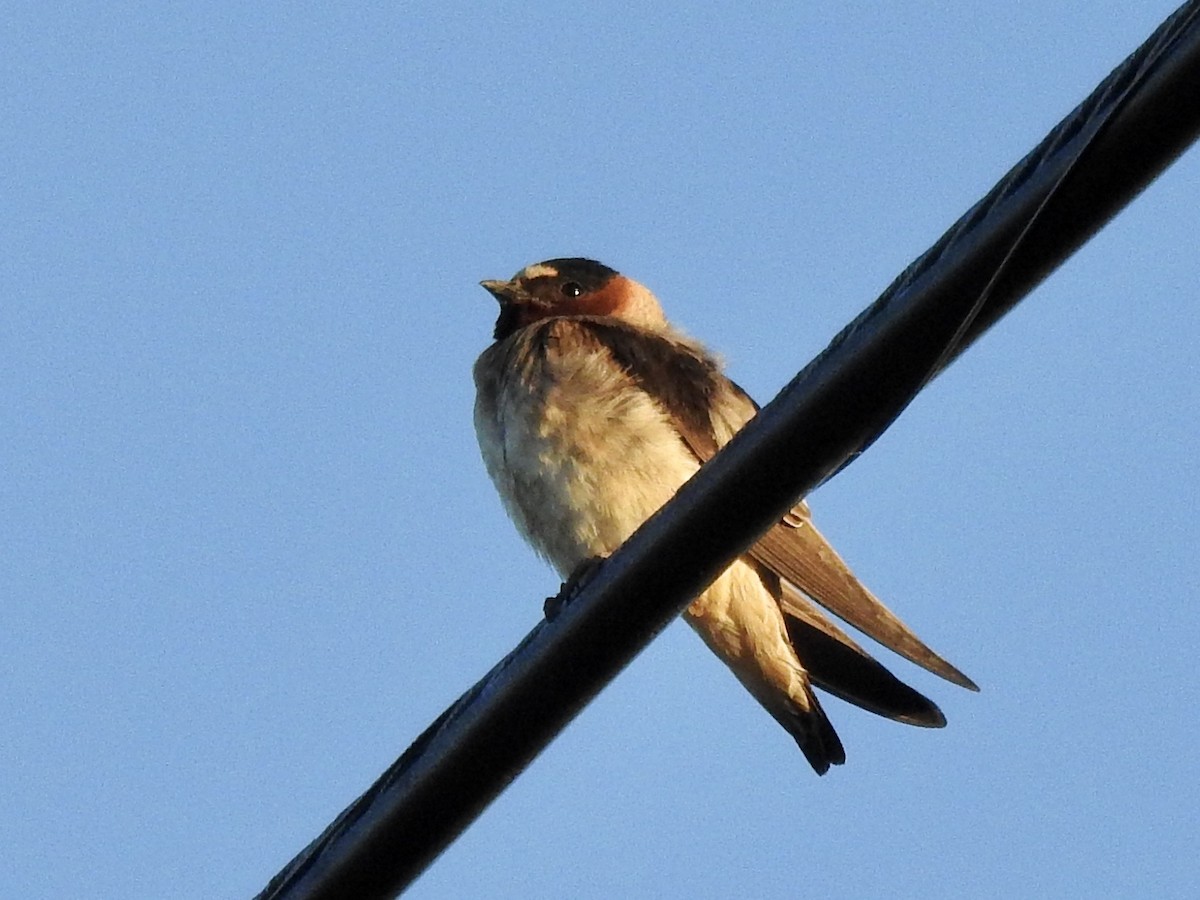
x=580, y=456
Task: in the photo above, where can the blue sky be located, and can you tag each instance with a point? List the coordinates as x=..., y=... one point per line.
x=248, y=549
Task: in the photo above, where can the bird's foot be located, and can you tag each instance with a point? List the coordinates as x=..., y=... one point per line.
x=575, y=583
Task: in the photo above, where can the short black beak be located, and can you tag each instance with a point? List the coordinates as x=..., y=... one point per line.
x=512, y=300
x=504, y=291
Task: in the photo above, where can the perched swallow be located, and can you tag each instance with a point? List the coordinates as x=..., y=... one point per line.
x=591, y=411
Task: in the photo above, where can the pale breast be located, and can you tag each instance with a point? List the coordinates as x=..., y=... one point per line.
x=579, y=454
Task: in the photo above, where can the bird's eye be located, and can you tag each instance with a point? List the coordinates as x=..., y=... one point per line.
x=571, y=289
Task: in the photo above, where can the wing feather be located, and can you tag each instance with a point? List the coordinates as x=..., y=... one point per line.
x=707, y=409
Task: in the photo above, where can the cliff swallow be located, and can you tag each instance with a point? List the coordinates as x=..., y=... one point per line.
x=591, y=411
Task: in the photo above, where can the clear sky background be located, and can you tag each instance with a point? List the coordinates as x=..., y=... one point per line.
x=248, y=550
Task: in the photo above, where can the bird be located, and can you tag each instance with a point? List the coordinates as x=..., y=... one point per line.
x=591, y=411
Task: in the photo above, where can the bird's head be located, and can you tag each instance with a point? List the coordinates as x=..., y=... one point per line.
x=571, y=287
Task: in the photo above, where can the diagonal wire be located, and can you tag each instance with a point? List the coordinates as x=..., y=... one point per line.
x=1107, y=150
x=1091, y=118
x=1166, y=57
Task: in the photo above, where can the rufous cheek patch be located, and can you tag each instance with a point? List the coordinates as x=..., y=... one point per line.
x=606, y=301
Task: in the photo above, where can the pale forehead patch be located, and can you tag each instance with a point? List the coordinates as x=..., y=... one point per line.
x=537, y=270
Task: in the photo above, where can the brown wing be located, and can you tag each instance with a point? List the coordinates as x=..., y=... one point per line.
x=801, y=555
x=796, y=551
x=707, y=409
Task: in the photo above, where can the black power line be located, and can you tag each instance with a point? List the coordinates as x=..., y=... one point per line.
x=1093, y=163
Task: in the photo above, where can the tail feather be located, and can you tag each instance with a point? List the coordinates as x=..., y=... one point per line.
x=814, y=734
